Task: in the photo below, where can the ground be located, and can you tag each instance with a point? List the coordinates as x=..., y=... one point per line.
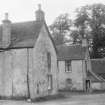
x=77, y=99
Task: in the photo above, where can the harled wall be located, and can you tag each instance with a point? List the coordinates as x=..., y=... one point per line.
x=22, y=69
x=39, y=73
x=13, y=73
x=76, y=75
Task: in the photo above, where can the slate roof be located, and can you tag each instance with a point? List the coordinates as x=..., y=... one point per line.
x=24, y=34
x=98, y=67
x=92, y=77
x=66, y=52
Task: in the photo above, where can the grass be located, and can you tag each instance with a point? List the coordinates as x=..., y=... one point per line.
x=80, y=92
x=49, y=97
x=62, y=94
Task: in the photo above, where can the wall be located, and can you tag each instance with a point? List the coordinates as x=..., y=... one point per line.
x=13, y=73
x=63, y=75
x=5, y=74
x=39, y=81
x=19, y=66
x=98, y=85
x=76, y=75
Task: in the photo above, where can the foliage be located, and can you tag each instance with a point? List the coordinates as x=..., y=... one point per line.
x=90, y=21
x=60, y=28
x=75, y=36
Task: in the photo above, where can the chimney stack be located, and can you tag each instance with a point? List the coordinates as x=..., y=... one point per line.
x=84, y=41
x=6, y=31
x=40, y=16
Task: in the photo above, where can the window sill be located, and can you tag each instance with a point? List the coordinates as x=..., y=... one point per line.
x=68, y=71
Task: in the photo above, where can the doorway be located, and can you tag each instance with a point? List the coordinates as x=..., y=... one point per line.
x=50, y=83
x=88, y=85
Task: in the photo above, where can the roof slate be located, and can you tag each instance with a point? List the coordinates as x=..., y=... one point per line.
x=24, y=34
x=98, y=67
x=66, y=52
x=93, y=77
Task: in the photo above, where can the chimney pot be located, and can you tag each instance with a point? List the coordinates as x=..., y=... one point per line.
x=40, y=16
x=39, y=6
x=6, y=16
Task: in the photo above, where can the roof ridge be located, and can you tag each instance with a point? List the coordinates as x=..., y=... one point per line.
x=98, y=59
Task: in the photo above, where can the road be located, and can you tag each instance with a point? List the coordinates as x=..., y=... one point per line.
x=94, y=99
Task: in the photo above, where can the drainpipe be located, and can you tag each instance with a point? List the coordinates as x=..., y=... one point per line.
x=28, y=73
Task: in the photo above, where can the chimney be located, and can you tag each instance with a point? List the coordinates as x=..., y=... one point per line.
x=6, y=32
x=84, y=42
x=40, y=16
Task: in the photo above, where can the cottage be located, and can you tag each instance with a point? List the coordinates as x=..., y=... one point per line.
x=28, y=60
x=76, y=71
x=72, y=66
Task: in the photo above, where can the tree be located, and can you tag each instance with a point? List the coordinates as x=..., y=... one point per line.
x=75, y=36
x=90, y=21
x=60, y=28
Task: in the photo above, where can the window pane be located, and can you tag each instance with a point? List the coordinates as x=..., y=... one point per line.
x=67, y=65
x=49, y=61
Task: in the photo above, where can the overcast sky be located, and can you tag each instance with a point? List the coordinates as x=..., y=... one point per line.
x=23, y=10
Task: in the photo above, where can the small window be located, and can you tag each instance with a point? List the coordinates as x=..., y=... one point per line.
x=49, y=82
x=69, y=81
x=86, y=65
x=68, y=66
x=49, y=61
x=37, y=88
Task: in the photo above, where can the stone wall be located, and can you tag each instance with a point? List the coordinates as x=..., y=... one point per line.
x=98, y=85
x=39, y=73
x=76, y=75
x=19, y=66
x=13, y=73
x=5, y=74
x=24, y=72
x=63, y=76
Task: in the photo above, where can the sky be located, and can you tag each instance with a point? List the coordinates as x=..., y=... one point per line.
x=24, y=10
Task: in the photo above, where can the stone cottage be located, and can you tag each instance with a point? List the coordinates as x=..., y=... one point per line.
x=72, y=66
x=73, y=63
x=76, y=71
x=28, y=59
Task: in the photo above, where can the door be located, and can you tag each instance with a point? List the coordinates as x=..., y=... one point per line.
x=88, y=86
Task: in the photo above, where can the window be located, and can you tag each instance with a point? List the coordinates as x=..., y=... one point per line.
x=86, y=65
x=37, y=88
x=68, y=66
x=69, y=81
x=49, y=61
x=49, y=82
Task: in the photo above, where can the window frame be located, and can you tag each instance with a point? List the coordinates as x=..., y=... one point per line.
x=50, y=82
x=68, y=67
x=49, y=61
